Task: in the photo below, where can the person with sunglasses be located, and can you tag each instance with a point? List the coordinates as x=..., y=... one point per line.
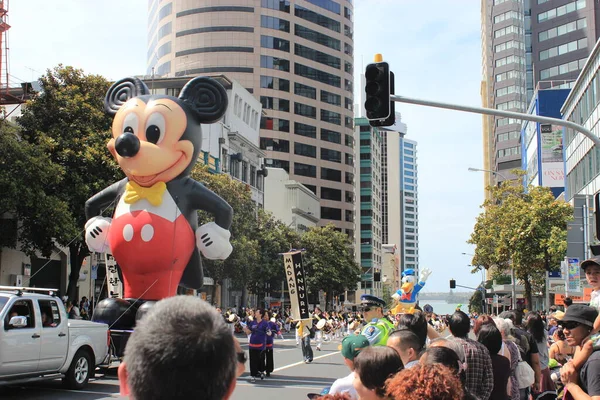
x=378, y=328
x=577, y=324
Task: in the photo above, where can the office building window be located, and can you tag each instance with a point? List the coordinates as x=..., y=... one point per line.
x=331, y=194
x=331, y=136
x=312, y=188
x=275, y=124
x=349, y=178
x=274, y=23
x=562, y=29
x=316, y=37
x=275, y=63
x=317, y=18
x=327, y=5
x=349, y=159
x=274, y=163
x=562, y=10
x=331, y=174
x=275, y=103
x=507, y=15
x=305, y=130
x=306, y=150
x=512, y=44
x=331, y=213
x=305, y=170
x=272, y=82
x=305, y=91
x=331, y=117
x=270, y=42
x=317, y=75
x=563, y=49
x=280, y=145
x=348, y=141
x=279, y=5
x=562, y=69
x=305, y=110
x=331, y=155
x=512, y=151
x=317, y=56
x=331, y=98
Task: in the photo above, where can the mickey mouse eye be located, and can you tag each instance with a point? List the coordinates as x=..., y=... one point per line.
x=155, y=128
x=130, y=123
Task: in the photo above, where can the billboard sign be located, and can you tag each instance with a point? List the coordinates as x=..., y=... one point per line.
x=553, y=171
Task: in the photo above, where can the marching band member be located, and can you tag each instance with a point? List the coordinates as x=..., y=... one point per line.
x=318, y=325
x=378, y=328
x=257, y=331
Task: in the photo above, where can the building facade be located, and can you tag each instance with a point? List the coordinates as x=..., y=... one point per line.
x=296, y=57
x=525, y=44
x=582, y=169
x=400, y=205
x=369, y=237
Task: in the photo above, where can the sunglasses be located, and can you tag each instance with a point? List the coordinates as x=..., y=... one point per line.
x=570, y=325
x=241, y=357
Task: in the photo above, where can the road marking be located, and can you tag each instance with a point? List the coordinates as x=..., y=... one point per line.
x=83, y=391
x=318, y=389
x=302, y=362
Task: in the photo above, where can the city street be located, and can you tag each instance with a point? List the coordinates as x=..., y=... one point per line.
x=292, y=378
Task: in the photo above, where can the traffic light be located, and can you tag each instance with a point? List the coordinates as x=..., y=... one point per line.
x=379, y=85
x=452, y=284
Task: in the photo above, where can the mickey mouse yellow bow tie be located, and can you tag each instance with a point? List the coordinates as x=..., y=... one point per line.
x=154, y=193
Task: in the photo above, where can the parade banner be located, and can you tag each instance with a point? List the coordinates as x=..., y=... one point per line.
x=113, y=282
x=294, y=274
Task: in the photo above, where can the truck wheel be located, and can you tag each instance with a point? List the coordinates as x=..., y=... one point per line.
x=80, y=371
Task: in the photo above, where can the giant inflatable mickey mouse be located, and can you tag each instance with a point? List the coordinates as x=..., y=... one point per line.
x=154, y=234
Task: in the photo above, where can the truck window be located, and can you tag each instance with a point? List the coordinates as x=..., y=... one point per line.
x=50, y=313
x=22, y=308
x=3, y=301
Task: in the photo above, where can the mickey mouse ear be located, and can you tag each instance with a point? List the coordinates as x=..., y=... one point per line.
x=207, y=97
x=121, y=91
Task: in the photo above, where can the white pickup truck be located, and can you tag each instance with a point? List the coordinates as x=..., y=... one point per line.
x=38, y=341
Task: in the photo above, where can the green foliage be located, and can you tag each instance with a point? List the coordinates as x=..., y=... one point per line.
x=68, y=122
x=521, y=229
x=476, y=302
x=25, y=172
x=329, y=261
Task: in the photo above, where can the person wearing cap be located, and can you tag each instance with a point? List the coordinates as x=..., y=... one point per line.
x=591, y=268
x=378, y=329
x=351, y=347
x=577, y=324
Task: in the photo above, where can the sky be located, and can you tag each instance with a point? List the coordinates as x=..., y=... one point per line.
x=433, y=49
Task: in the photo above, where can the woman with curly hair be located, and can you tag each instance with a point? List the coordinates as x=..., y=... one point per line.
x=425, y=382
x=372, y=367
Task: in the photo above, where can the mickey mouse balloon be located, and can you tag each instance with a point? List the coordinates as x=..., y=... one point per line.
x=154, y=234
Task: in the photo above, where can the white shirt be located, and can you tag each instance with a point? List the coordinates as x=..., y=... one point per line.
x=344, y=385
x=595, y=299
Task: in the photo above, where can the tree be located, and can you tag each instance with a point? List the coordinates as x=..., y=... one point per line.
x=274, y=237
x=524, y=230
x=243, y=229
x=329, y=261
x=68, y=121
x=39, y=218
x=475, y=302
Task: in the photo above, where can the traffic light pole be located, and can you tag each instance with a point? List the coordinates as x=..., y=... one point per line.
x=500, y=113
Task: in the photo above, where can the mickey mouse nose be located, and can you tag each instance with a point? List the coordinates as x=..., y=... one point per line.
x=127, y=145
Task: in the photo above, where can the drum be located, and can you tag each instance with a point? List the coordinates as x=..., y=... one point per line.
x=321, y=323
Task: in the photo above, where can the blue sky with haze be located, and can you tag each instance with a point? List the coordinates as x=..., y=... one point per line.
x=433, y=47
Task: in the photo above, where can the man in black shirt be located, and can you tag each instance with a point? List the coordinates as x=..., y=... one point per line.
x=577, y=323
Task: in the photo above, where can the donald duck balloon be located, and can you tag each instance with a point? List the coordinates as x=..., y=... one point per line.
x=407, y=294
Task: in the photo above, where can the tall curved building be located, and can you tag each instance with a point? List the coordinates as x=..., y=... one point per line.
x=297, y=57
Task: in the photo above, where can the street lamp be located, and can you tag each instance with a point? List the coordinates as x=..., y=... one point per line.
x=488, y=170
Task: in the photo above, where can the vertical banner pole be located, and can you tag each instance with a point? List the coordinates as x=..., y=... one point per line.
x=294, y=274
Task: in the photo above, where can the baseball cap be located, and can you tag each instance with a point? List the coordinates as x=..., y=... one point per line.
x=370, y=300
x=580, y=313
x=352, y=345
x=590, y=261
x=558, y=315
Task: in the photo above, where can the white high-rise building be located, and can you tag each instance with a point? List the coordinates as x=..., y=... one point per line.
x=400, y=206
